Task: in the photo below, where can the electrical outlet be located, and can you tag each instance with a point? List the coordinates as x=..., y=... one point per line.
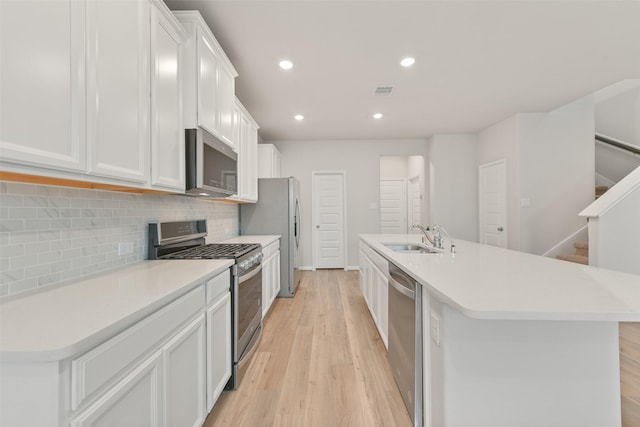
x=435, y=328
x=125, y=248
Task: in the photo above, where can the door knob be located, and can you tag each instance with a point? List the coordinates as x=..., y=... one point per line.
x=317, y=226
x=500, y=229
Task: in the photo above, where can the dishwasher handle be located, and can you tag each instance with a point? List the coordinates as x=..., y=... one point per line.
x=402, y=289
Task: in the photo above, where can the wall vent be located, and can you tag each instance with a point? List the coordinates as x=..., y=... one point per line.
x=383, y=91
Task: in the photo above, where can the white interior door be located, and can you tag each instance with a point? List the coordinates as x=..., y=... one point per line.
x=414, y=200
x=328, y=202
x=493, y=203
x=393, y=206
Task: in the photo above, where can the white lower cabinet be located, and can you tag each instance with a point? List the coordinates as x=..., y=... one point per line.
x=270, y=275
x=166, y=370
x=134, y=401
x=218, y=346
x=374, y=283
x=185, y=376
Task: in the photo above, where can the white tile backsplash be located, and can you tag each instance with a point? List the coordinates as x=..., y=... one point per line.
x=50, y=235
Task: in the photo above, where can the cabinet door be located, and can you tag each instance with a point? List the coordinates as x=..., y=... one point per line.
x=207, y=84
x=363, y=273
x=118, y=89
x=218, y=348
x=134, y=401
x=167, y=132
x=248, y=165
x=267, y=276
x=184, y=363
x=42, y=83
x=382, y=312
x=226, y=93
x=275, y=279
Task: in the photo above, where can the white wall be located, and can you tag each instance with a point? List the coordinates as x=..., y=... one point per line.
x=393, y=167
x=557, y=173
x=614, y=163
x=498, y=142
x=360, y=159
x=453, y=195
x=619, y=117
x=550, y=161
x=50, y=235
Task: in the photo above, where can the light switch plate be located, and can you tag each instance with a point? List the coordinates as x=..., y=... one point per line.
x=434, y=325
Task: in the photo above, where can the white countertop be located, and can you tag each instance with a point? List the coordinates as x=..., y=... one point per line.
x=263, y=240
x=486, y=282
x=58, y=323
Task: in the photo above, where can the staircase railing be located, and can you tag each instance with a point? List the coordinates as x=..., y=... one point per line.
x=618, y=143
x=614, y=226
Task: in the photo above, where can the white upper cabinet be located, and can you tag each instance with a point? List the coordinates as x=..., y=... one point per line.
x=247, y=155
x=226, y=107
x=118, y=101
x=167, y=130
x=90, y=90
x=208, y=80
x=268, y=161
x=42, y=86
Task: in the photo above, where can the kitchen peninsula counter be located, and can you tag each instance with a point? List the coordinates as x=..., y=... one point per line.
x=514, y=339
x=485, y=282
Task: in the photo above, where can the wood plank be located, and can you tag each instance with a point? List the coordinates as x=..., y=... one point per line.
x=321, y=362
x=630, y=373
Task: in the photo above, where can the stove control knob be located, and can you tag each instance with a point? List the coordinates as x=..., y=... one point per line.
x=243, y=265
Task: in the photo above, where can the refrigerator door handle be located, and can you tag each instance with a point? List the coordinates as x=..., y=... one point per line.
x=295, y=223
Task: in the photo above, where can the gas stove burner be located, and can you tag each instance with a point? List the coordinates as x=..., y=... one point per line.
x=213, y=251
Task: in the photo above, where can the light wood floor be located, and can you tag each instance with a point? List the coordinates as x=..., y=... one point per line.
x=630, y=373
x=321, y=362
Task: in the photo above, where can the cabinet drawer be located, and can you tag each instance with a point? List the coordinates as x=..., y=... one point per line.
x=380, y=261
x=218, y=286
x=271, y=249
x=111, y=360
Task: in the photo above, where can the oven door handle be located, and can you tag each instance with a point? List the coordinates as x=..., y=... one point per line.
x=249, y=276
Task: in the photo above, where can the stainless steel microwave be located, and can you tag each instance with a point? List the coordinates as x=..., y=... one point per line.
x=212, y=166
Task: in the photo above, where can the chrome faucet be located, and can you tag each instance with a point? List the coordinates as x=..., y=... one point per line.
x=427, y=234
x=438, y=230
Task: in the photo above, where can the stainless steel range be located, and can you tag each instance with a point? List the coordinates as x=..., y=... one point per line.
x=186, y=240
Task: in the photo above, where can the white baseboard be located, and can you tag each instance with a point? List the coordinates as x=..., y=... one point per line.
x=347, y=268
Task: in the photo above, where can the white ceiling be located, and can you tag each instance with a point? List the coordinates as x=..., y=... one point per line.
x=477, y=62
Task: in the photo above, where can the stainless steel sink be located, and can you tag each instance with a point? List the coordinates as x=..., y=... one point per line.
x=417, y=248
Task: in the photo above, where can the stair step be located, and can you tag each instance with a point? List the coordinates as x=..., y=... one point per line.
x=600, y=190
x=574, y=258
x=582, y=248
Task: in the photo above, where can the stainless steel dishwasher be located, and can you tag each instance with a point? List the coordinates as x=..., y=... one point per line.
x=405, y=339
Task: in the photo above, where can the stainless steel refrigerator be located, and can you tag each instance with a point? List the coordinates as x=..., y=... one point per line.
x=277, y=212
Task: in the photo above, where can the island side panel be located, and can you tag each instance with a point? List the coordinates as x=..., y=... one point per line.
x=527, y=373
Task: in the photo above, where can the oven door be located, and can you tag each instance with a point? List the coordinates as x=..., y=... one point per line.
x=249, y=306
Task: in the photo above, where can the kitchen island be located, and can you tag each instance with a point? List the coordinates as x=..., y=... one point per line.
x=513, y=339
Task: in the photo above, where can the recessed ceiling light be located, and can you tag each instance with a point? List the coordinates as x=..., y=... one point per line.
x=298, y=117
x=286, y=64
x=377, y=116
x=407, y=62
